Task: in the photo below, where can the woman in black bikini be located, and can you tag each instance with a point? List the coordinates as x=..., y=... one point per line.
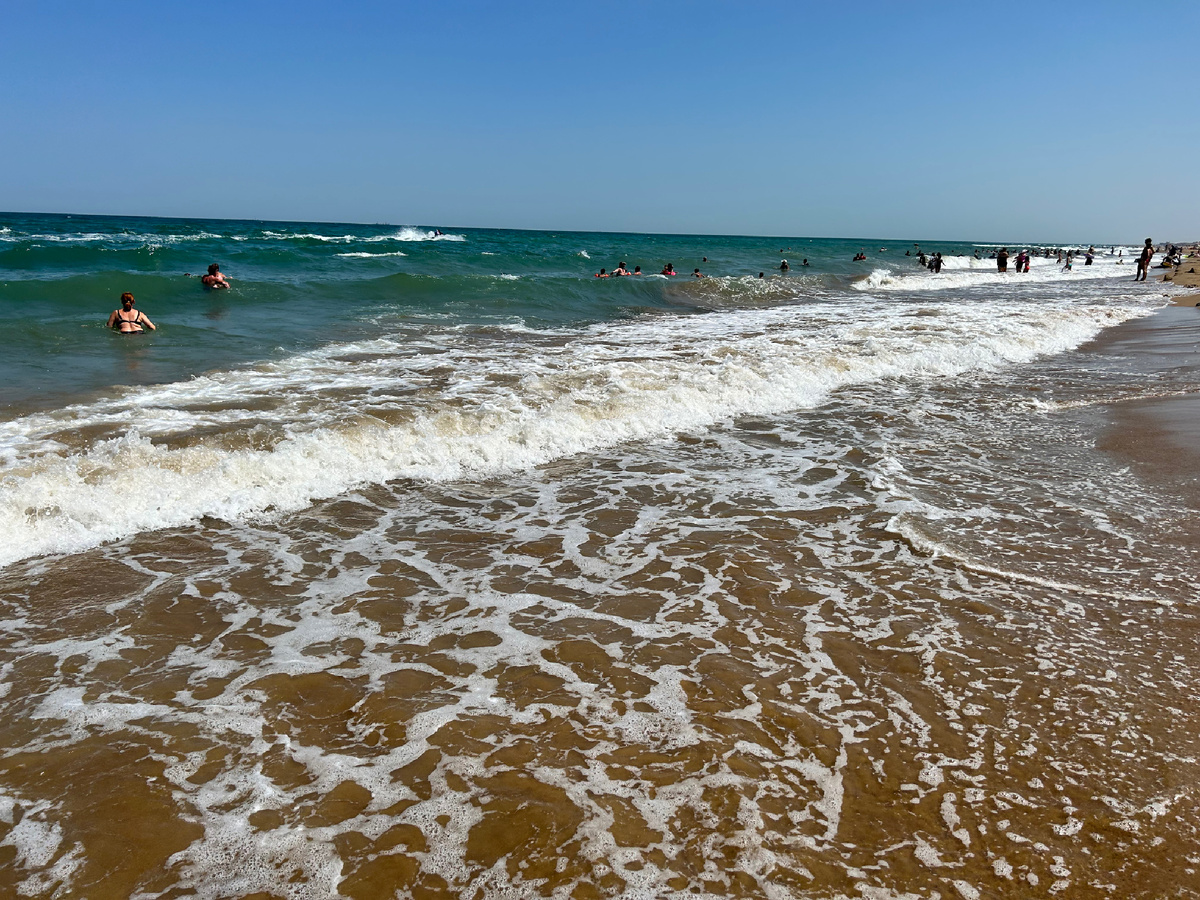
x=128, y=320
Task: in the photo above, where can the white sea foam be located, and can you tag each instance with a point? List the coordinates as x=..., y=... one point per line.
x=362, y=255
x=405, y=234
x=584, y=254
x=524, y=402
x=418, y=234
x=114, y=237
x=959, y=272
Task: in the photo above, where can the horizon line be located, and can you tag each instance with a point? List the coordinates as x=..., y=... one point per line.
x=713, y=234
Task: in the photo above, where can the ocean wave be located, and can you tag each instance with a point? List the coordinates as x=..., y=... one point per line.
x=364, y=255
x=966, y=272
x=406, y=234
x=584, y=254
x=278, y=437
x=94, y=237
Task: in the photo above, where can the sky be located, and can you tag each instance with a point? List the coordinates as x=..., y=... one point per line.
x=1055, y=122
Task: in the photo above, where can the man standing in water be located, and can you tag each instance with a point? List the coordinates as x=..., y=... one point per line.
x=1002, y=260
x=1143, y=262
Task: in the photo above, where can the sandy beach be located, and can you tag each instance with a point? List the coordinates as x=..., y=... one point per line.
x=1158, y=431
x=1185, y=275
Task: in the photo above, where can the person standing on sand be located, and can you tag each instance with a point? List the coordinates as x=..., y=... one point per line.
x=1143, y=262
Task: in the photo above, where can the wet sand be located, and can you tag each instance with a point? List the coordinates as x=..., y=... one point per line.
x=1159, y=430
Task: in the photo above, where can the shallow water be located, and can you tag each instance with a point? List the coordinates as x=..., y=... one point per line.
x=863, y=590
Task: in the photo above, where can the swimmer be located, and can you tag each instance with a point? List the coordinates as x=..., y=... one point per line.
x=601, y=274
x=620, y=269
x=760, y=275
x=804, y=262
x=696, y=273
x=668, y=269
x=214, y=279
x=783, y=266
x=128, y=320
x=637, y=270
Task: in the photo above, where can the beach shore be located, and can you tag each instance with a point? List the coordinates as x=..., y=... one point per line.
x=1185, y=275
x=1158, y=431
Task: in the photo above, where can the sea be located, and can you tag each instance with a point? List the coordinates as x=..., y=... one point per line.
x=421, y=562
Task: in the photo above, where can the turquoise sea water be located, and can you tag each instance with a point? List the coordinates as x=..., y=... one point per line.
x=300, y=285
x=422, y=565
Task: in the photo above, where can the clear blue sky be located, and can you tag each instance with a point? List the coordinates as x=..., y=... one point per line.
x=954, y=121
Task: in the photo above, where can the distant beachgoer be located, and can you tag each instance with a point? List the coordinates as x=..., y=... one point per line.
x=1002, y=260
x=704, y=259
x=1091, y=253
x=1143, y=262
x=696, y=273
x=637, y=270
x=907, y=253
x=760, y=275
x=602, y=274
x=620, y=269
x=783, y=266
x=1027, y=257
x=937, y=264
x=668, y=269
x=128, y=320
x=804, y=262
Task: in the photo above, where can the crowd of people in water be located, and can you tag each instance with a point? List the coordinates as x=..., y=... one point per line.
x=1063, y=257
x=128, y=320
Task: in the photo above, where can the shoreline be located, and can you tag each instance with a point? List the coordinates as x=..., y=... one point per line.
x=1184, y=275
x=1158, y=434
